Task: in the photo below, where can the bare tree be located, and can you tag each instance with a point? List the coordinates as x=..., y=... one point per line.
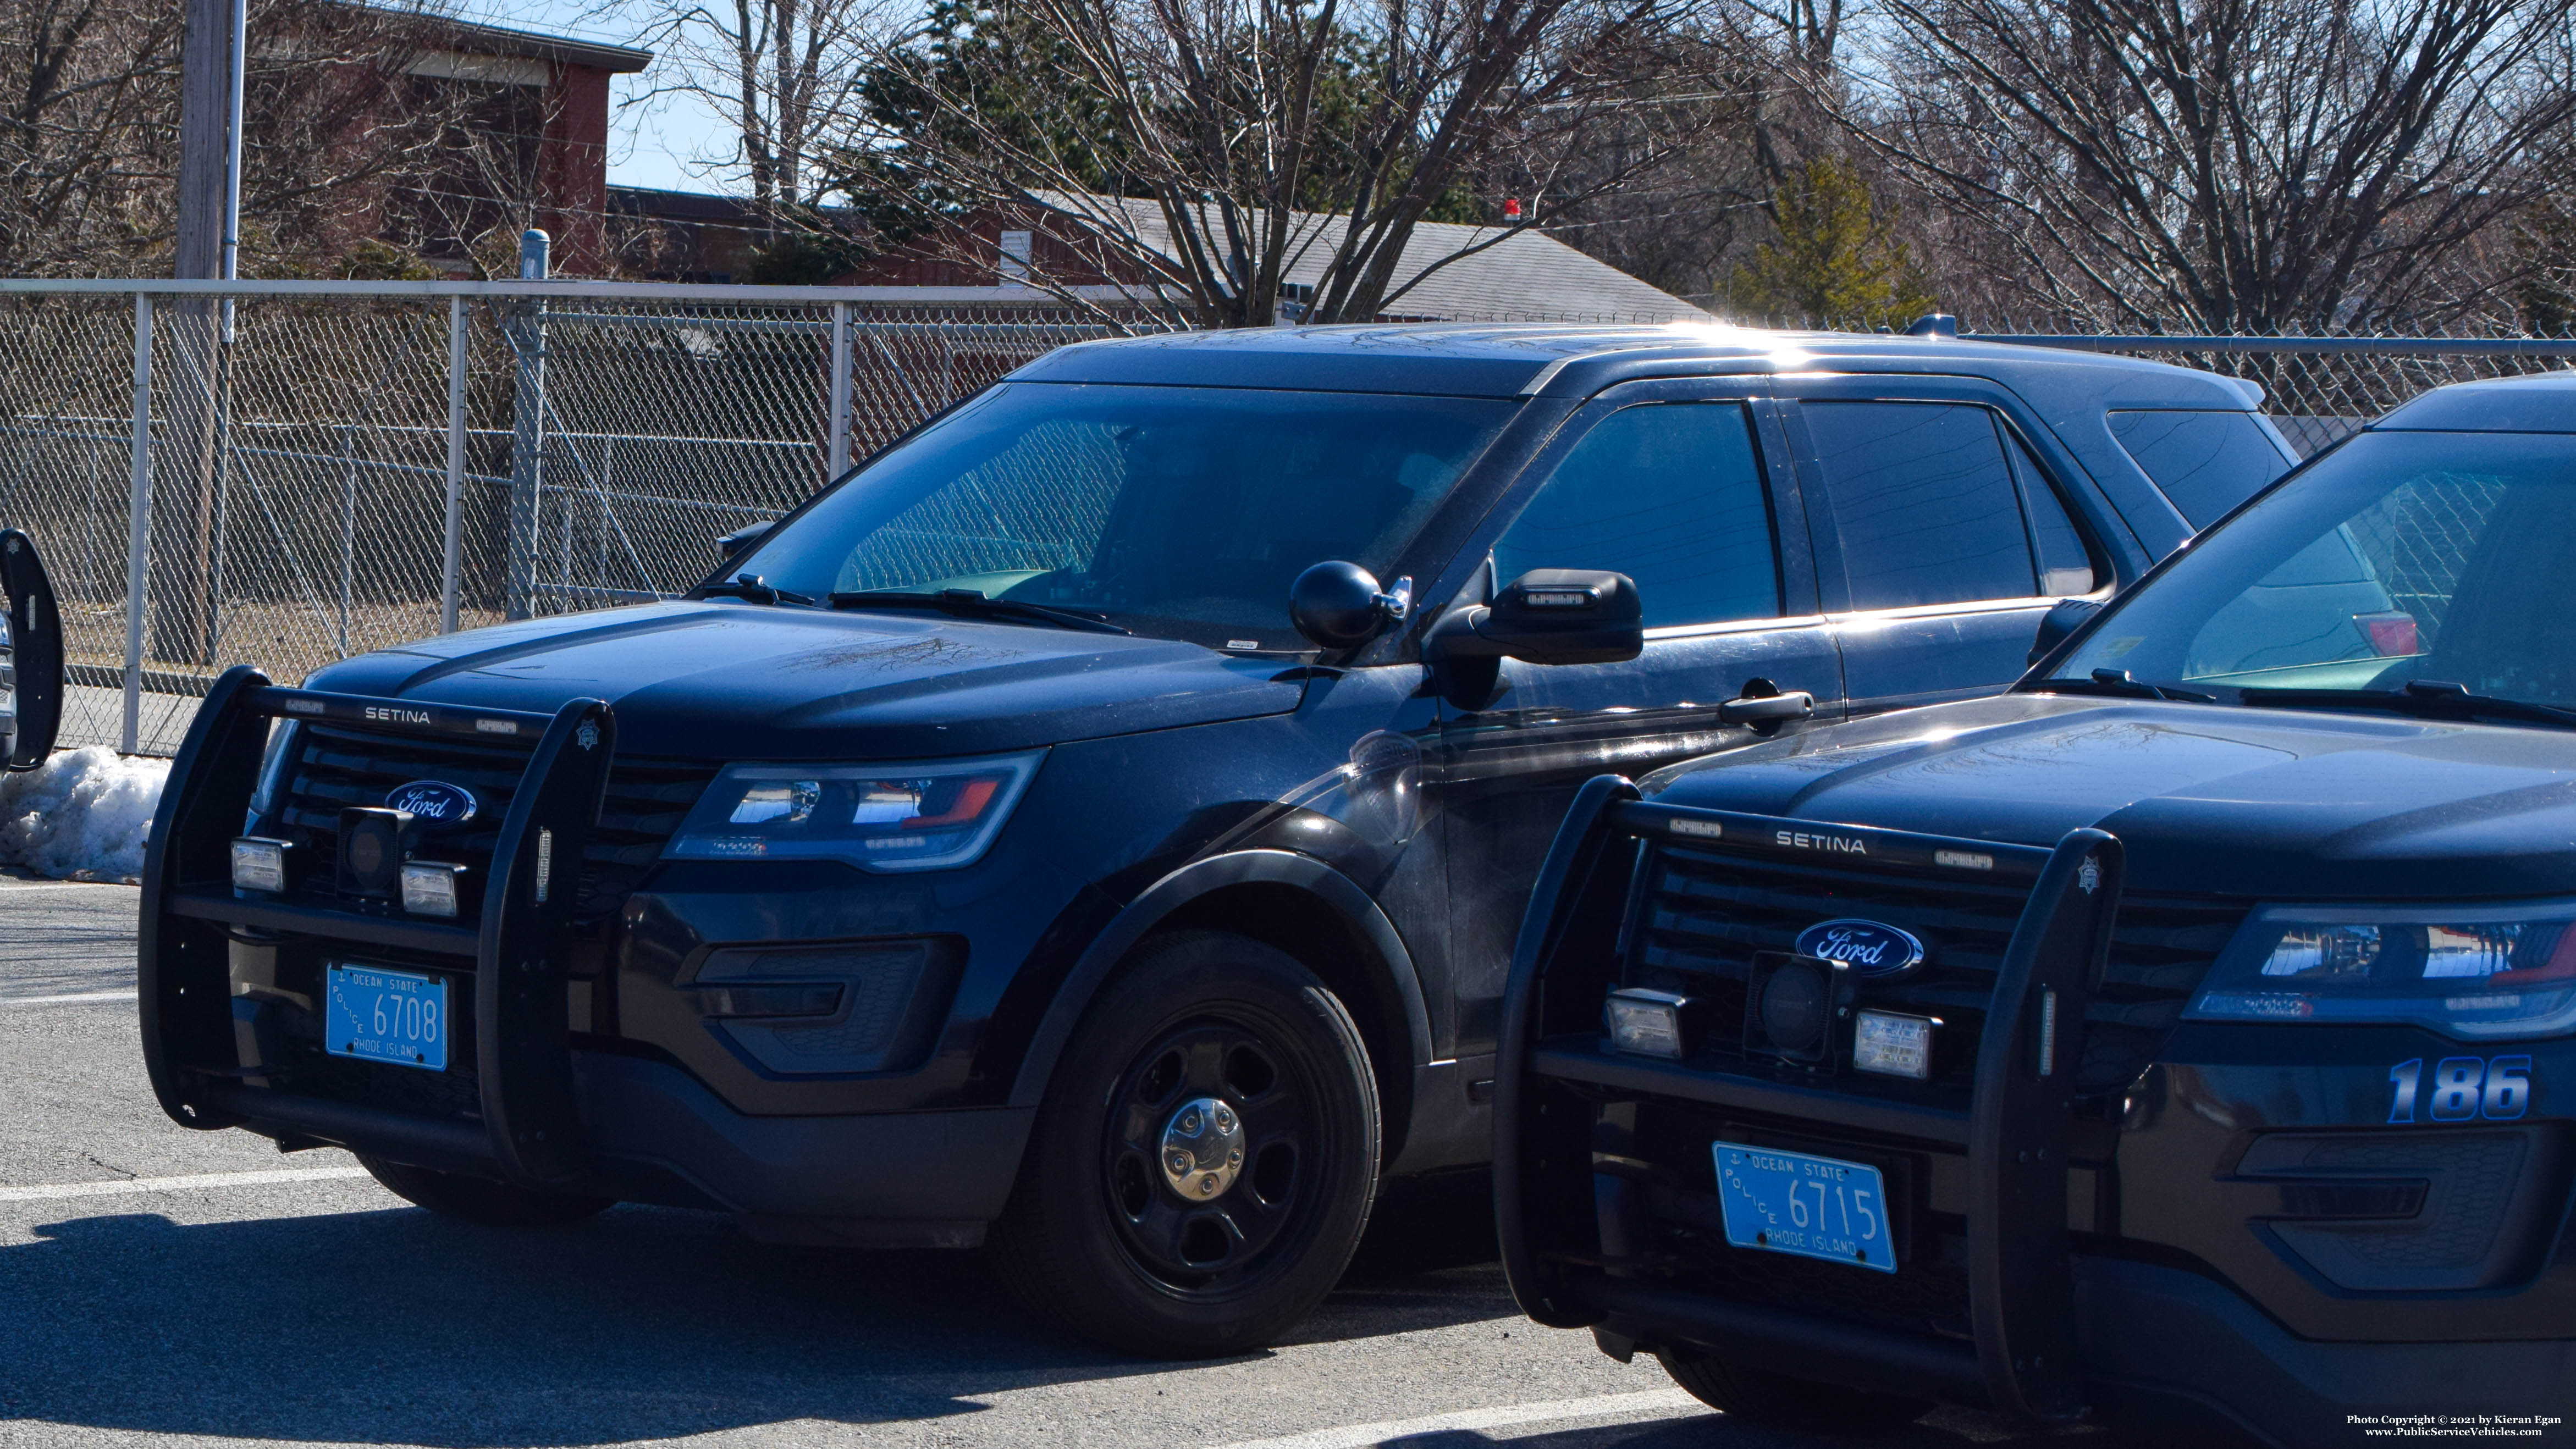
x=783, y=73
x=89, y=119
x=1203, y=151
x=2225, y=164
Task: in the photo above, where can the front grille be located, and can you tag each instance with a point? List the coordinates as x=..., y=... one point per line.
x=1702, y=917
x=337, y=767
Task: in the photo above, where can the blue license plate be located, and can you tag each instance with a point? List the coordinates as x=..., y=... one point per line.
x=1813, y=1207
x=377, y=1015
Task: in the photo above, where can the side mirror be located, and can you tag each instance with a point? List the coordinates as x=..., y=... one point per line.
x=744, y=537
x=1338, y=605
x=31, y=655
x=2063, y=618
x=1548, y=616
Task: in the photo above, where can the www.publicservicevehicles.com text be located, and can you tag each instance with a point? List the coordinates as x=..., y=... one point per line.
x=2452, y=1426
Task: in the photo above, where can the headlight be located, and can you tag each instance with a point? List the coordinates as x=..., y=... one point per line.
x=2469, y=971
x=927, y=816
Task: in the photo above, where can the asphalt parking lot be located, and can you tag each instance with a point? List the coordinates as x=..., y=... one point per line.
x=158, y=1284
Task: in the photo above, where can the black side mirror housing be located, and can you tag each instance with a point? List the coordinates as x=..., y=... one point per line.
x=1548, y=616
x=744, y=537
x=34, y=659
x=1339, y=605
x=2063, y=618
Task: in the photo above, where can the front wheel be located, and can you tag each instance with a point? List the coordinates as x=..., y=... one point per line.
x=480, y=1199
x=1764, y=1397
x=1205, y=1158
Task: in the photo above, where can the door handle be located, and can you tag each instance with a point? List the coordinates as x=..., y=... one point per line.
x=1768, y=709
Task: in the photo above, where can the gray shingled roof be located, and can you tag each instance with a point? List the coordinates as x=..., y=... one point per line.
x=1527, y=274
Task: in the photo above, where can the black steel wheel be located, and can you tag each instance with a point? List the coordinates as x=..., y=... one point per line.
x=1206, y=1156
x=480, y=1199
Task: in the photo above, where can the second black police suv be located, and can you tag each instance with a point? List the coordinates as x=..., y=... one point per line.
x=2185, y=1036
x=1100, y=821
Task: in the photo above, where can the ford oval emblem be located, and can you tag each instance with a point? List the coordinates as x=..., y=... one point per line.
x=435, y=802
x=1871, y=948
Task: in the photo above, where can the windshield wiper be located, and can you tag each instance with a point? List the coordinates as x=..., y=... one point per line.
x=2433, y=697
x=2118, y=682
x=976, y=604
x=754, y=589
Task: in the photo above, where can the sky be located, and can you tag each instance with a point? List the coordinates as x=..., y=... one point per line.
x=666, y=141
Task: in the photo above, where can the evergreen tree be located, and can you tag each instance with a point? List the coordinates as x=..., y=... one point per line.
x=1837, y=262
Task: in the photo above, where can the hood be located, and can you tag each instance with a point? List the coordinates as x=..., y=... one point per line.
x=2209, y=799
x=732, y=681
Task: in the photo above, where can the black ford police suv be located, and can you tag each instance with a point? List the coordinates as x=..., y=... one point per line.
x=1100, y=820
x=2183, y=1035
x=31, y=655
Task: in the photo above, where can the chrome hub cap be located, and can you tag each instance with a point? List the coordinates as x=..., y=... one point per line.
x=1202, y=1151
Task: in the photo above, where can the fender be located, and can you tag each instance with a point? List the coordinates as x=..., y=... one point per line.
x=1335, y=890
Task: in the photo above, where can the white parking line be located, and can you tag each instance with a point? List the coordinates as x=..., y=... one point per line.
x=77, y=996
x=1362, y=1436
x=51, y=1191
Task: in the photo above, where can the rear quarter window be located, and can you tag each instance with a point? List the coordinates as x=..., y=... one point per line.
x=2206, y=463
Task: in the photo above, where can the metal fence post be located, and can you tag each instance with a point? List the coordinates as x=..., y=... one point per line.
x=138, y=546
x=527, y=432
x=452, y=570
x=838, y=458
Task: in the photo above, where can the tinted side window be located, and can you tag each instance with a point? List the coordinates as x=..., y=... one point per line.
x=1923, y=503
x=2065, y=564
x=2206, y=463
x=1670, y=494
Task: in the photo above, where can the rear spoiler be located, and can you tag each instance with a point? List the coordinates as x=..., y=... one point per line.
x=33, y=667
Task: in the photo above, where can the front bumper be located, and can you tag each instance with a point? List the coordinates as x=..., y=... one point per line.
x=2170, y=1349
x=2168, y=1230
x=532, y=1098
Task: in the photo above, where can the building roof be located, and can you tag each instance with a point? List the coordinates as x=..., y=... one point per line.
x=1501, y=274
x=479, y=39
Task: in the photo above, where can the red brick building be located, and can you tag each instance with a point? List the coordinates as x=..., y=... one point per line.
x=532, y=142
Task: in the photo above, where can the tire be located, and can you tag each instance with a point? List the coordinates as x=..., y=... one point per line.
x=1763, y=1397
x=1098, y=1233
x=480, y=1199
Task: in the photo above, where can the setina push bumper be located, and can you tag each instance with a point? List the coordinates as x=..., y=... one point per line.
x=259, y=1001
x=1742, y=1118
x=424, y=973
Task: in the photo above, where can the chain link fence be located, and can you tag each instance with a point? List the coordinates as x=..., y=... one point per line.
x=301, y=472
x=290, y=473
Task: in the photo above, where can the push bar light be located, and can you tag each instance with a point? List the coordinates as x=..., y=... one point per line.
x=429, y=887
x=1648, y=1023
x=1893, y=1045
x=259, y=864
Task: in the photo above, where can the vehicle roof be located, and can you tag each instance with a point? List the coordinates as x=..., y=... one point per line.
x=1510, y=360
x=2542, y=404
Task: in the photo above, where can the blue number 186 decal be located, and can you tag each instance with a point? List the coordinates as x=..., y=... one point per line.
x=2462, y=1089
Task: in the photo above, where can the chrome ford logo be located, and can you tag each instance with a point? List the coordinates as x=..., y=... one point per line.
x=1871, y=948
x=435, y=801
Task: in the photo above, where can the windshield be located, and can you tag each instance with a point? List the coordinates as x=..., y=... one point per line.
x=1181, y=512
x=2399, y=557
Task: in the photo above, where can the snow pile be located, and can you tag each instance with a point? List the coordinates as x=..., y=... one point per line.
x=82, y=815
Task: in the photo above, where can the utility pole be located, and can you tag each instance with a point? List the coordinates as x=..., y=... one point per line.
x=179, y=579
